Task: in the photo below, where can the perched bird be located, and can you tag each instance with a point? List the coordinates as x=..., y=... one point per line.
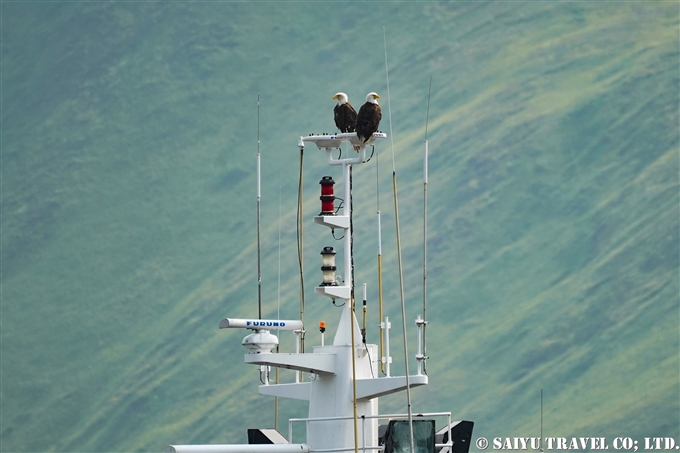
x=345, y=115
x=368, y=118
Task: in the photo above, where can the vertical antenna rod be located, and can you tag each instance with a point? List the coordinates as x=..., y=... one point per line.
x=541, y=441
x=427, y=114
x=259, y=268
x=389, y=105
x=380, y=287
x=278, y=291
x=401, y=273
x=363, y=330
x=278, y=317
x=425, y=175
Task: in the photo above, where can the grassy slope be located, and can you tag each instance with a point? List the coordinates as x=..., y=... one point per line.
x=127, y=210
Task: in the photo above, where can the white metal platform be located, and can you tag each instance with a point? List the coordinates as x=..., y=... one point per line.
x=325, y=141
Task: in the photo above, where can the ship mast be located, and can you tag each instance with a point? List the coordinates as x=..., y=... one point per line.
x=344, y=383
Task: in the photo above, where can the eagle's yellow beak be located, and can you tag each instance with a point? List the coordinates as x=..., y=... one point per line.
x=377, y=97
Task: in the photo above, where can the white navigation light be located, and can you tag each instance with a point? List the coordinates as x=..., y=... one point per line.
x=328, y=266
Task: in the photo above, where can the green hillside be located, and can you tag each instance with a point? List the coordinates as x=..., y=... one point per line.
x=127, y=203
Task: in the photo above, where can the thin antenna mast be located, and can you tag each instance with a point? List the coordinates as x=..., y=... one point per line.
x=380, y=286
x=401, y=274
x=278, y=291
x=278, y=317
x=259, y=268
x=427, y=115
x=541, y=438
x=425, y=175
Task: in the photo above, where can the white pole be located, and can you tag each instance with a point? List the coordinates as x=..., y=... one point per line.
x=419, y=353
x=387, y=346
x=259, y=267
x=297, y=351
x=422, y=365
x=348, y=236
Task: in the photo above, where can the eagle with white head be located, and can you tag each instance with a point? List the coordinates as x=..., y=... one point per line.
x=368, y=118
x=344, y=113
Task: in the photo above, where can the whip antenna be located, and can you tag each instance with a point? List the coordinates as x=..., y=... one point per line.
x=427, y=115
x=541, y=447
x=259, y=267
x=278, y=292
x=380, y=286
x=401, y=273
x=425, y=175
x=389, y=105
x=278, y=317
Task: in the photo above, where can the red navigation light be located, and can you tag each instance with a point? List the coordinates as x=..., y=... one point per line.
x=327, y=198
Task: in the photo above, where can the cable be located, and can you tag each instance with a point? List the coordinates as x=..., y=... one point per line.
x=368, y=353
x=351, y=231
x=371, y=156
x=301, y=261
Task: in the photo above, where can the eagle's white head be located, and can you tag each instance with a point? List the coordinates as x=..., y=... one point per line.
x=341, y=97
x=372, y=97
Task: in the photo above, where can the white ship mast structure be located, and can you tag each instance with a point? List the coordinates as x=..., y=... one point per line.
x=344, y=382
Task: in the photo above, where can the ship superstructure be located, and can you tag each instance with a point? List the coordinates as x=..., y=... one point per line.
x=344, y=380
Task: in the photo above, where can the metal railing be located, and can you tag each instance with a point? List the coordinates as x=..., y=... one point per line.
x=363, y=447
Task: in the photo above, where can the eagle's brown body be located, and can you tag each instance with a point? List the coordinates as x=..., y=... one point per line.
x=345, y=117
x=368, y=119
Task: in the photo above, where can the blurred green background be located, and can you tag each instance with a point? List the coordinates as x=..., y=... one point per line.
x=128, y=204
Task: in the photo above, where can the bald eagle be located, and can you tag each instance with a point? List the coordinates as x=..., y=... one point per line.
x=345, y=115
x=368, y=118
